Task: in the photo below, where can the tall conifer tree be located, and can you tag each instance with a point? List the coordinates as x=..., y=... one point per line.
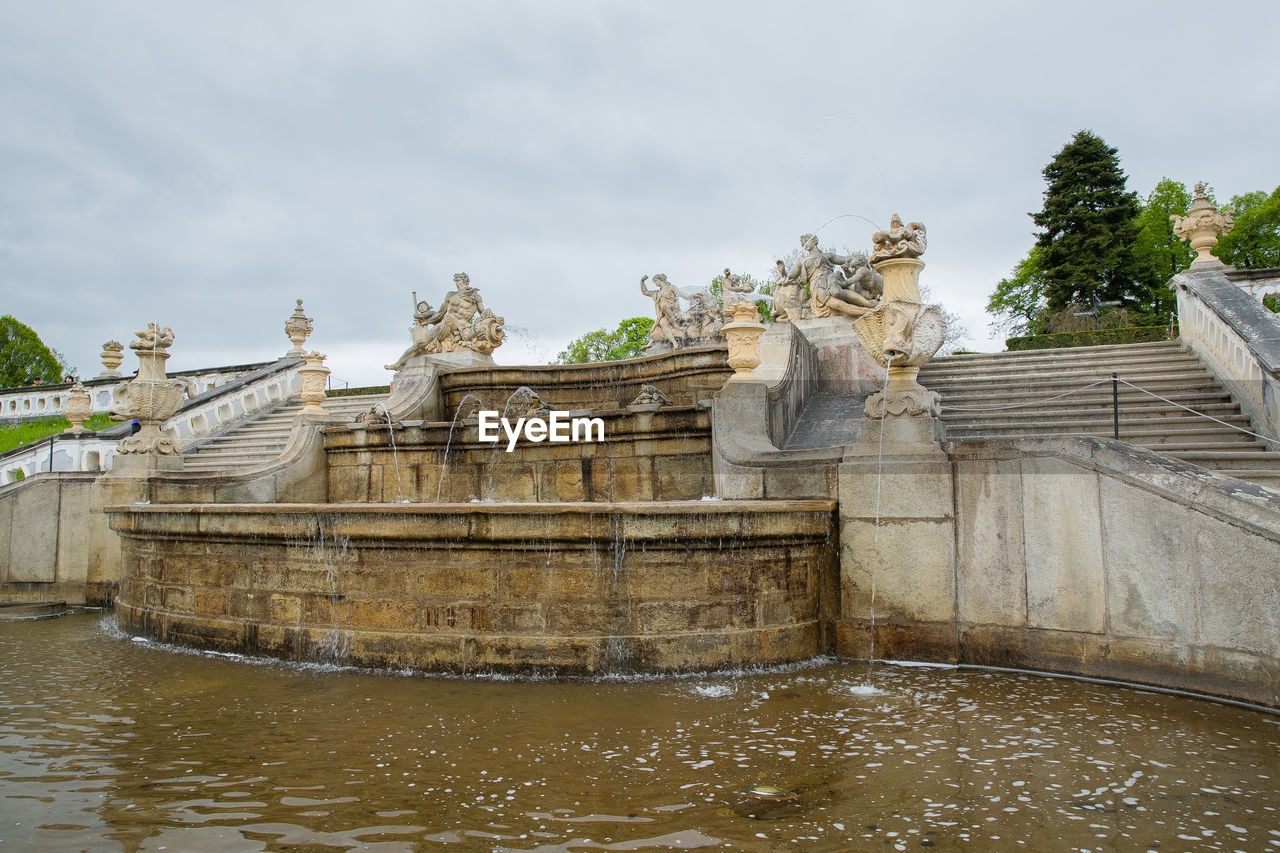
x=1090, y=225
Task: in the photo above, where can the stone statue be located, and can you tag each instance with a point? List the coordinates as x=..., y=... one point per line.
x=649, y=396
x=460, y=323
x=703, y=320
x=733, y=290
x=900, y=241
x=823, y=272
x=668, y=320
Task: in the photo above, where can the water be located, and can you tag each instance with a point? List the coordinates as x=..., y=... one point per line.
x=444, y=462
x=108, y=744
x=395, y=457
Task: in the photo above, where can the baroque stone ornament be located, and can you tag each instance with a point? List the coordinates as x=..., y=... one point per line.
x=313, y=375
x=650, y=396
x=112, y=356
x=734, y=291
x=1202, y=225
x=460, y=323
x=297, y=327
x=151, y=397
x=78, y=408
x=902, y=333
x=743, y=335
x=830, y=290
x=701, y=322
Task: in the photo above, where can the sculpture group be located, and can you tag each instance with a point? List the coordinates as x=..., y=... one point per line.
x=460, y=323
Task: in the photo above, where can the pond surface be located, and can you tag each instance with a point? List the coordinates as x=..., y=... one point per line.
x=112, y=744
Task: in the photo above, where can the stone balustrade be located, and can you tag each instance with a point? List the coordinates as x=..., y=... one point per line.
x=31, y=402
x=220, y=406
x=1236, y=336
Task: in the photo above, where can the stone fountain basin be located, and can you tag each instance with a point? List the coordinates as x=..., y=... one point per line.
x=562, y=588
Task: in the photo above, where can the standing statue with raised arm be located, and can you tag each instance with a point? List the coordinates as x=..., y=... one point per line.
x=668, y=320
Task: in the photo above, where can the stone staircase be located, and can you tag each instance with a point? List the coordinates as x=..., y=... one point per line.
x=1038, y=394
x=262, y=439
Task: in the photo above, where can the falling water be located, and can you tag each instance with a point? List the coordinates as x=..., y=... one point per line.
x=525, y=392
x=395, y=457
x=884, y=414
x=444, y=462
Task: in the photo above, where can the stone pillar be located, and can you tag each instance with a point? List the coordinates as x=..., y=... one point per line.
x=897, y=545
x=151, y=398
x=297, y=327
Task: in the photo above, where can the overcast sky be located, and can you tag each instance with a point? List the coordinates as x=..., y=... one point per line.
x=205, y=164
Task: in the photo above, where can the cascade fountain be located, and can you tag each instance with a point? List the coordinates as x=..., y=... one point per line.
x=843, y=524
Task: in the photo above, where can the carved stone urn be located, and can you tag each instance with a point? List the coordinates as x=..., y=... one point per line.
x=1201, y=227
x=901, y=334
x=297, y=327
x=78, y=408
x=151, y=397
x=313, y=375
x=743, y=335
x=112, y=356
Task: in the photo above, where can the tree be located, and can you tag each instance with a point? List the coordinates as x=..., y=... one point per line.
x=1161, y=252
x=626, y=341
x=1018, y=302
x=1255, y=240
x=1090, y=227
x=24, y=358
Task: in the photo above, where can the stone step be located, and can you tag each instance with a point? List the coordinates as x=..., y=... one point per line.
x=952, y=413
x=1142, y=377
x=1181, y=361
x=1153, y=350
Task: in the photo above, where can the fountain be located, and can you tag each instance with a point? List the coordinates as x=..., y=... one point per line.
x=869, y=537
x=842, y=523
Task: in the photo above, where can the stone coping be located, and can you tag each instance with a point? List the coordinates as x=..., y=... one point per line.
x=704, y=508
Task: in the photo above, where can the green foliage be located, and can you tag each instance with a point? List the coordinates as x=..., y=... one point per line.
x=20, y=434
x=1272, y=301
x=626, y=341
x=24, y=358
x=1092, y=338
x=1018, y=301
x=1089, y=227
x=1161, y=252
x=1255, y=240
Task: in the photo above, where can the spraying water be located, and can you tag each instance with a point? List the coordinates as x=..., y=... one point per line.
x=444, y=462
x=395, y=456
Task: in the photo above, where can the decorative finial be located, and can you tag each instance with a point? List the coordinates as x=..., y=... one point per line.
x=1202, y=225
x=298, y=327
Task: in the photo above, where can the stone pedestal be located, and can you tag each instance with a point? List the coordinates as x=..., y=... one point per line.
x=743, y=335
x=415, y=389
x=897, y=545
x=313, y=374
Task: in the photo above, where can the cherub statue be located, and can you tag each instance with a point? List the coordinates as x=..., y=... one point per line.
x=900, y=241
x=734, y=290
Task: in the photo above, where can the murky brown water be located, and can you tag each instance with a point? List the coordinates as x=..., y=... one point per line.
x=109, y=744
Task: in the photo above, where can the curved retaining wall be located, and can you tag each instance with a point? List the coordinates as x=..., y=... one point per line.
x=685, y=376
x=1079, y=555
x=569, y=588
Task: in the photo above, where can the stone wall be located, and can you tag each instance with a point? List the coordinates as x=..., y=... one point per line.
x=686, y=376
x=1080, y=555
x=663, y=456
x=570, y=588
